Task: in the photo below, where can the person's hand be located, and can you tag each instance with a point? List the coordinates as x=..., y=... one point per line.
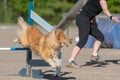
x=115, y=19
x=93, y=21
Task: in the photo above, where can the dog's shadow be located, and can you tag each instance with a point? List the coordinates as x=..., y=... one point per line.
x=52, y=76
x=49, y=74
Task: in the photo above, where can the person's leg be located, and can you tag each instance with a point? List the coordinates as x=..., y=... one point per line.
x=75, y=52
x=94, y=31
x=96, y=47
x=71, y=61
x=84, y=28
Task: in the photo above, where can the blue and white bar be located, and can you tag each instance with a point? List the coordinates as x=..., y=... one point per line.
x=41, y=21
x=13, y=49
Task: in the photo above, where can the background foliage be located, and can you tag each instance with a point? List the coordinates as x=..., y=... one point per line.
x=51, y=10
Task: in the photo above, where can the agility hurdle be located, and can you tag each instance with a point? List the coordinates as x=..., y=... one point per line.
x=33, y=17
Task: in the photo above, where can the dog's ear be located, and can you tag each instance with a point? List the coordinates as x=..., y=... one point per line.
x=58, y=32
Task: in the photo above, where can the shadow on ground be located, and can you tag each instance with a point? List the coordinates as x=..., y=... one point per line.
x=49, y=74
x=54, y=77
x=101, y=63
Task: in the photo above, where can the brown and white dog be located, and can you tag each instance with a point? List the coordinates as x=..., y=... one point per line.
x=44, y=45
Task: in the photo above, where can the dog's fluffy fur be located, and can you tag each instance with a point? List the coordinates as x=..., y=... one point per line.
x=44, y=45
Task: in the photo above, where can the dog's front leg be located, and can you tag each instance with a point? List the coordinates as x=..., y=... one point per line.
x=47, y=57
x=57, y=61
x=52, y=63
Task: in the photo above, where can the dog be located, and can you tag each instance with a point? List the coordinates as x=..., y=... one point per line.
x=45, y=45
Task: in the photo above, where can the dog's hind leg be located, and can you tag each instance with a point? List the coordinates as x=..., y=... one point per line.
x=16, y=40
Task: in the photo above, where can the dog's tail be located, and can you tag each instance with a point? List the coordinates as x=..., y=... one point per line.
x=22, y=24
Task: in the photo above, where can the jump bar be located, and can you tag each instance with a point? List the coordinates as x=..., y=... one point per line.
x=41, y=21
x=13, y=49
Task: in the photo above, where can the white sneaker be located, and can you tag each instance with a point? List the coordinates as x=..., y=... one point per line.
x=95, y=58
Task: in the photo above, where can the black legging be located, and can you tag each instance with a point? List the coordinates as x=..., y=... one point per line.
x=85, y=28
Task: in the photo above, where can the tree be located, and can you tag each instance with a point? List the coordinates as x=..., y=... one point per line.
x=51, y=10
x=114, y=6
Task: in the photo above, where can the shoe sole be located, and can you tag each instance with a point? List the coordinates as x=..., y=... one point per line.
x=72, y=66
x=94, y=60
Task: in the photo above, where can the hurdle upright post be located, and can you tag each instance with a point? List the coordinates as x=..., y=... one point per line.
x=31, y=7
x=29, y=52
x=32, y=16
x=28, y=66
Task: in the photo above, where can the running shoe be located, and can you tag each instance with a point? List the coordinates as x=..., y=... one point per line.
x=95, y=58
x=73, y=64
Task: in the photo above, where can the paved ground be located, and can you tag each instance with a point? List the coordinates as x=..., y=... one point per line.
x=11, y=62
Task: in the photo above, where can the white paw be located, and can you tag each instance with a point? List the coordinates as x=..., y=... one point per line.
x=54, y=66
x=59, y=63
x=52, y=63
